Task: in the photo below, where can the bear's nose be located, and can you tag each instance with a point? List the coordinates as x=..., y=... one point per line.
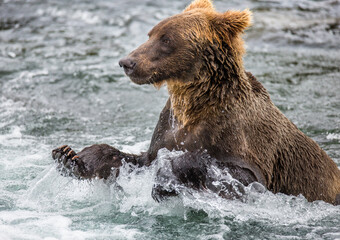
x=128, y=64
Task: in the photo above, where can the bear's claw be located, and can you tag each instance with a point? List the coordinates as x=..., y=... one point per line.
x=69, y=163
x=71, y=152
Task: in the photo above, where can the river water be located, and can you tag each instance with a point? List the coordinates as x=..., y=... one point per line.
x=60, y=84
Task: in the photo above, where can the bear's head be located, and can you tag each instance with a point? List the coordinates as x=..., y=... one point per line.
x=197, y=44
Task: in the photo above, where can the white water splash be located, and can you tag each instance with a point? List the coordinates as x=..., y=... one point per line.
x=333, y=136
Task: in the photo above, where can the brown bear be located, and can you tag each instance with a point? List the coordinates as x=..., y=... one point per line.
x=217, y=113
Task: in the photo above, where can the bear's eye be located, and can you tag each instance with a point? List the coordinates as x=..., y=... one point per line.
x=165, y=40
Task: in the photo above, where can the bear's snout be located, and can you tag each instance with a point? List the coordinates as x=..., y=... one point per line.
x=128, y=64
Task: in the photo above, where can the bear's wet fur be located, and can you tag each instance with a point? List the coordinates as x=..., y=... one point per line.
x=215, y=108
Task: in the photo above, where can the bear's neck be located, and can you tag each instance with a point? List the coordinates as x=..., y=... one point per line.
x=205, y=98
x=221, y=85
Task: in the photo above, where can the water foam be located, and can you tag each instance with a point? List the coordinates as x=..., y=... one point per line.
x=333, y=136
x=52, y=198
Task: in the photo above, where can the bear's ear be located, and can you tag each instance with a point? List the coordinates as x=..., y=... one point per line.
x=233, y=21
x=207, y=4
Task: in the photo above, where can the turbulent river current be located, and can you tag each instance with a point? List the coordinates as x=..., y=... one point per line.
x=60, y=83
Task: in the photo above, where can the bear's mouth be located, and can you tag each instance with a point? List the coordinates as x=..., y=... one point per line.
x=139, y=80
x=151, y=79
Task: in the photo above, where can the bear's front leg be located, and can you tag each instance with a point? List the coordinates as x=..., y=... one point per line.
x=95, y=161
x=189, y=169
